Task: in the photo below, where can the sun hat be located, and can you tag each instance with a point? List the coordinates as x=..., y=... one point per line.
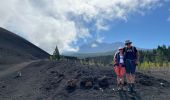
x=120, y=48
x=128, y=42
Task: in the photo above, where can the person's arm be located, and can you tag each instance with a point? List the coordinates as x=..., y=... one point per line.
x=137, y=56
x=124, y=54
x=114, y=59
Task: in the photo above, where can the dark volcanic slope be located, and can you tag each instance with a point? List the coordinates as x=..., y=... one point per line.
x=46, y=80
x=14, y=48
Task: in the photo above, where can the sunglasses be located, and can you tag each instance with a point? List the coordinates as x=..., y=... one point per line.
x=127, y=43
x=120, y=49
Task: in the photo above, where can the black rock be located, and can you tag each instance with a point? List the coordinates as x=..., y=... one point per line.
x=71, y=85
x=87, y=82
x=145, y=82
x=103, y=82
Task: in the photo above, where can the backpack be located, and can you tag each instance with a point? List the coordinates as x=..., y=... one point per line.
x=133, y=50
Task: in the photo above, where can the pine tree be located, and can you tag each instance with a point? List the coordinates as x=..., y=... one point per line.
x=159, y=55
x=56, y=54
x=168, y=53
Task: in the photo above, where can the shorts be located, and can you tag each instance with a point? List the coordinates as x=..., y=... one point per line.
x=119, y=70
x=130, y=66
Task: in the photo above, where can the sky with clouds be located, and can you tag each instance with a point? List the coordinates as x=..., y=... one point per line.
x=70, y=23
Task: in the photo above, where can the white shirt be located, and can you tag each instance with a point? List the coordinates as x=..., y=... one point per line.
x=121, y=59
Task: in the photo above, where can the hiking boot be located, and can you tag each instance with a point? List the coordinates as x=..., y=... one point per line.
x=129, y=88
x=119, y=89
x=133, y=88
x=123, y=88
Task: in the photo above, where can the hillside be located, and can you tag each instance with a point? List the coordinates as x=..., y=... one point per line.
x=14, y=49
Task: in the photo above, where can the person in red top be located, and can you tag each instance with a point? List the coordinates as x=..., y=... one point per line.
x=119, y=68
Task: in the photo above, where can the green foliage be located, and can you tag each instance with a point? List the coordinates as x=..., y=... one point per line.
x=51, y=57
x=155, y=58
x=56, y=55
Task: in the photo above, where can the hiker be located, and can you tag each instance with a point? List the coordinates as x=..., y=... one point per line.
x=119, y=68
x=130, y=57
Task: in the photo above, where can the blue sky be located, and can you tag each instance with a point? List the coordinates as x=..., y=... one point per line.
x=71, y=23
x=147, y=31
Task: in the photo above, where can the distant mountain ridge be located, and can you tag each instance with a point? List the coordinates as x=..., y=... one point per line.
x=96, y=49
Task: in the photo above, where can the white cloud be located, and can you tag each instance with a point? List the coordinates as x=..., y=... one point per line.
x=168, y=19
x=48, y=23
x=99, y=39
x=94, y=45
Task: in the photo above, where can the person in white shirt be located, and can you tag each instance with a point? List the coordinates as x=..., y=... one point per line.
x=119, y=68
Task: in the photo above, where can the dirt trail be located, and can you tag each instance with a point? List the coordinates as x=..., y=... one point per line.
x=15, y=68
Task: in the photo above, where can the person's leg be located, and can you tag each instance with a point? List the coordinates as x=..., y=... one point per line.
x=133, y=82
x=130, y=89
x=127, y=68
x=117, y=71
x=128, y=81
x=118, y=83
x=122, y=72
x=133, y=76
x=128, y=71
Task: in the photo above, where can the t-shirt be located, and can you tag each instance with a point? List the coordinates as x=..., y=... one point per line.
x=130, y=53
x=121, y=59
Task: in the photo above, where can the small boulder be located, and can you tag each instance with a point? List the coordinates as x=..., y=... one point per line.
x=86, y=83
x=71, y=84
x=18, y=75
x=3, y=86
x=162, y=84
x=103, y=82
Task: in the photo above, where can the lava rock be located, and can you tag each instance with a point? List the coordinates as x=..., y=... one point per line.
x=145, y=82
x=86, y=83
x=71, y=84
x=96, y=87
x=103, y=82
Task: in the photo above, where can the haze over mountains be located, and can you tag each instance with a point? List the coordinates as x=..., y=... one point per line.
x=96, y=47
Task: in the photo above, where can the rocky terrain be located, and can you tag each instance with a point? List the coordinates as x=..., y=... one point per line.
x=48, y=80
x=148, y=88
